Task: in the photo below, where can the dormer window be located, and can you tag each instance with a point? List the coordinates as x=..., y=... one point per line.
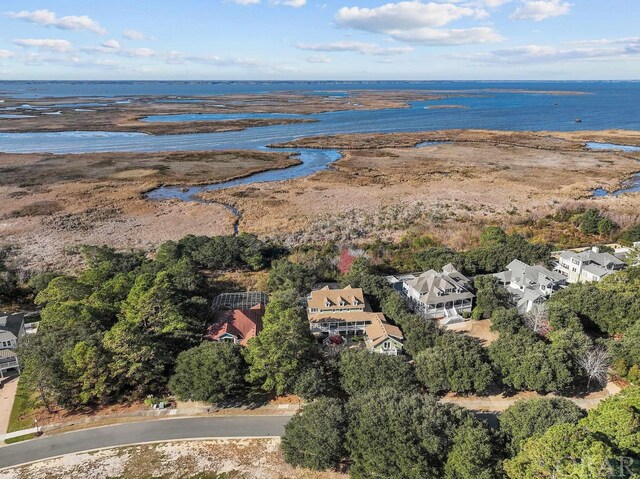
x=343, y=303
x=327, y=303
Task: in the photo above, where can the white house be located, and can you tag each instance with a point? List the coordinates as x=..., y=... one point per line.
x=435, y=295
x=588, y=265
x=529, y=285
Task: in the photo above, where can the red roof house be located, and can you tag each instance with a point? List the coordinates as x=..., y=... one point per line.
x=237, y=325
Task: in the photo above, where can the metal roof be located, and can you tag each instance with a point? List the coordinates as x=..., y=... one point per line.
x=244, y=300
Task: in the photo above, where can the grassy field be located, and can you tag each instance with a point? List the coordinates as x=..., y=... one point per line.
x=24, y=406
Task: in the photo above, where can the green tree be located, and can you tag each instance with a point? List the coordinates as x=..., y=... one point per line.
x=361, y=371
x=565, y=450
x=88, y=364
x=606, y=226
x=314, y=438
x=139, y=363
x=631, y=234
x=285, y=275
x=63, y=288
x=39, y=281
x=528, y=418
x=283, y=349
x=490, y=296
x=589, y=221
x=473, y=454
x=633, y=257
x=155, y=305
x=528, y=363
x=626, y=351
x=395, y=433
x=456, y=363
x=507, y=321
x=312, y=382
x=212, y=372
x=493, y=236
x=618, y=418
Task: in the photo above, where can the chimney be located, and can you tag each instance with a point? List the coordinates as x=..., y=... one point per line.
x=595, y=249
x=3, y=321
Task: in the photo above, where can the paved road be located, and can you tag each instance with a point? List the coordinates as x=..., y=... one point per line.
x=135, y=433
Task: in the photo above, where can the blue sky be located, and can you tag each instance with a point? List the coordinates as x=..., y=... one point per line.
x=309, y=39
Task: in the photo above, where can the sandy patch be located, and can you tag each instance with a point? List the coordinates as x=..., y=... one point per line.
x=241, y=459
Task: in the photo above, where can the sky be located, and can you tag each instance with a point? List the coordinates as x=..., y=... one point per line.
x=319, y=40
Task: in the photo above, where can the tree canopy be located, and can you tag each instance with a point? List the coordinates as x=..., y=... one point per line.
x=211, y=372
x=528, y=418
x=457, y=363
x=361, y=371
x=314, y=438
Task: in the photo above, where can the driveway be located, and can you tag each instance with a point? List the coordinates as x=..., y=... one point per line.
x=136, y=433
x=7, y=395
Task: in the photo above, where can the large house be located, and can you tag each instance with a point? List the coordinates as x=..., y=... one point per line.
x=344, y=311
x=529, y=285
x=11, y=332
x=238, y=317
x=338, y=311
x=446, y=295
x=588, y=265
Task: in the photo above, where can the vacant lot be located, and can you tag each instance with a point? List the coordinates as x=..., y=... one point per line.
x=236, y=459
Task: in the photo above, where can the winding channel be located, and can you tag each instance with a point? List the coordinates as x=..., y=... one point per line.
x=634, y=183
x=498, y=111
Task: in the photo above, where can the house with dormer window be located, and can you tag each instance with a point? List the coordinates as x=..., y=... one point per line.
x=445, y=295
x=334, y=310
x=344, y=311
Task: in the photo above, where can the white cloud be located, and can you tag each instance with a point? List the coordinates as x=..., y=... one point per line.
x=360, y=47
x=609, y=41
x=290, y=3
x=48, y=18
x=529, y=54
x=6, y=54
x=49, y=44
x=111, y=44
x=245, y=2
x=418, y=22
x=318, y=59
x=404, y=16
x=179, y=58
x=135, y=35
x=112, y=47
x=494, y=3
x=538, y=10
x=435, y=36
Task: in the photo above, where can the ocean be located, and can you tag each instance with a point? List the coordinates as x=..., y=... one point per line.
x=606, y=105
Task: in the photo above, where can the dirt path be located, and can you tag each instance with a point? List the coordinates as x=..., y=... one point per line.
x=7, y=395
x=499, y=403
